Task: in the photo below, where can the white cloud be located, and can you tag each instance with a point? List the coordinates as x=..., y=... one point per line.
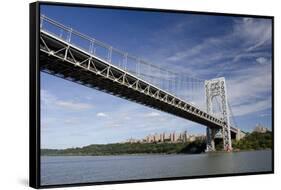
x=71, y=121
x=73, y=105
x=152, y=114
x=47, y=97
x=256, y=32
x=46, y=121
x=50, y=101
x=265, y=115
x=252, y=107
x=251, y=34
x=187, y=53
x=249, y=83
x=101, y=114
x=262, y=60
x=113, y=125
x=249, y=90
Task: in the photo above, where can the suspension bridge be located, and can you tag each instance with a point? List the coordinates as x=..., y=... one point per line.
x=69, y=54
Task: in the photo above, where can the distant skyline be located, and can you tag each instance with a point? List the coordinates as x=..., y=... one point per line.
x=204, y=46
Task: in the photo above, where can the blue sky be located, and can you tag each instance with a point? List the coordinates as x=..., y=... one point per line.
x=201, y=46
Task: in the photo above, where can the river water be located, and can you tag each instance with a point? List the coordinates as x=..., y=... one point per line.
x=83, y=169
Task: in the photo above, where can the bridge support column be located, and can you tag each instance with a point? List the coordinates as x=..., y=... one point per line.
x=226, y=137
x=210, y=139
x=238, y=135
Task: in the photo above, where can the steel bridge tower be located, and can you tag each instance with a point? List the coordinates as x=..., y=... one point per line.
x=217, y=88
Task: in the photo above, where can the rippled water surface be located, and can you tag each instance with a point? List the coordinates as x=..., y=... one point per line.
x=82, y=169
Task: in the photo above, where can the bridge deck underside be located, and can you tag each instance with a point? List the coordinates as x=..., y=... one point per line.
x=63, y=68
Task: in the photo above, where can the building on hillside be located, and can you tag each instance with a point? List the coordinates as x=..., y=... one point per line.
x=260, y=129
x=132, y=140
x=169, y=137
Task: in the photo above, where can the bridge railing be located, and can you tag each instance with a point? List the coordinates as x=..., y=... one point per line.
x=176, y=83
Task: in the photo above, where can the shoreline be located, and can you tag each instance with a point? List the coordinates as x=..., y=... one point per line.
x=161, y=154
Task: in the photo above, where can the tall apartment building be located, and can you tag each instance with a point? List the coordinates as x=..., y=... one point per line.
x=172, y=137
x=260, y=129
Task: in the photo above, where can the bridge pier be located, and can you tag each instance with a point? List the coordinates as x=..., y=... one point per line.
x=239, y=135
x=210, y=139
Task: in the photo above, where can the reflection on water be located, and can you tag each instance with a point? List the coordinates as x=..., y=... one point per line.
x=82, y=169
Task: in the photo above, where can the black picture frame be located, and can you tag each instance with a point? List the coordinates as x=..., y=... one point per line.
x=34, y=94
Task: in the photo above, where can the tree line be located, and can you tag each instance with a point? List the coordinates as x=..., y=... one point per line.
x=252, y=141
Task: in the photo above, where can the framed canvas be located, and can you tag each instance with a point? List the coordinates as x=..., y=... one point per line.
x=121, y=94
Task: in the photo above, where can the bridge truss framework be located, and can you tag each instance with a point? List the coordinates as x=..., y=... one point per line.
x=62, y=58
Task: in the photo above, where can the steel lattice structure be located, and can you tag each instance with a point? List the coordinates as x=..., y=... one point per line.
x=62, y=56
x=217, y=87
